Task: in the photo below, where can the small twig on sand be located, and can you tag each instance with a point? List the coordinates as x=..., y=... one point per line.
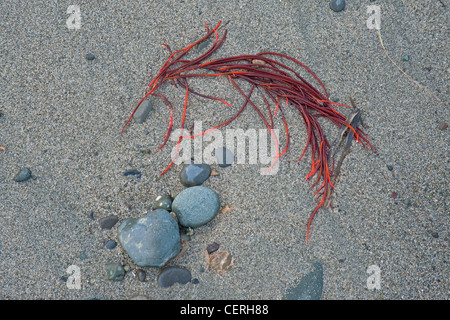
x=410, y=79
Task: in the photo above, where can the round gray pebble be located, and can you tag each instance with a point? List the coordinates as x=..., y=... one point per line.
x=110, y=244
x=90, y=56
x=337, y=5
x=151, y=240
x=23, y=175
x=171, y=275
x=194, y=174
x=224, y=157
x=196, y=206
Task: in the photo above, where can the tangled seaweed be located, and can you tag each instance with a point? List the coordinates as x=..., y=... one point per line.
x=279, y=84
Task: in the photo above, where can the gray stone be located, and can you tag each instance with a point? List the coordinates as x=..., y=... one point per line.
x=152, y=240
x=310, y=286
x=23, y=175
x=141, y=275
x=337, y=5
x=224, y=157
x=196, y=206
x=108, y=222
x=171, y=275
x=143, y=111
x=194, y=174
x=115, y=271
x=133, y=172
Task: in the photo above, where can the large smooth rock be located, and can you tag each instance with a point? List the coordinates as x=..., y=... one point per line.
x=151, y=240
x=196, y=206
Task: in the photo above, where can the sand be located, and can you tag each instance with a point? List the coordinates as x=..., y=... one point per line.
x=62, y=116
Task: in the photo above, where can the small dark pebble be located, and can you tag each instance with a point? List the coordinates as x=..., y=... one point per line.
x=133, y=173
x=435, y=235
x=394, y=195
x=224, y=157
x=212, y=247
x=108, y=222
x=310, y=286
x=23, y=175
x=408, y=202
x=90, y=56
x=195, y=281
x=390, y=168
x=141, y=275
x=110, y=244
x=204, y=45
x=91, y=215
x=162, y=202
x=194, y=174
x=337, y=5
x=443, y=126
x=405, y=57
x=171, y=275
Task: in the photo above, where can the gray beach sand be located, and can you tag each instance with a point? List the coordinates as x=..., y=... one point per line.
x=62, y=115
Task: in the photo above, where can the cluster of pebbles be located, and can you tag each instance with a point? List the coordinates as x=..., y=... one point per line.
x=154, y=239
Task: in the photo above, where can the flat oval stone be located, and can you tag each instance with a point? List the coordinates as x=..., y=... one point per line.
x=110, y=244
x=152, y=240
x=23, y=175
x=171, y=275
x=224, y=157
x=196, y=206
x=143, y=111
x=194, y=174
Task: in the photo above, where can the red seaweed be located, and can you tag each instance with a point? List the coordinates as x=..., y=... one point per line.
x=278, y=82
